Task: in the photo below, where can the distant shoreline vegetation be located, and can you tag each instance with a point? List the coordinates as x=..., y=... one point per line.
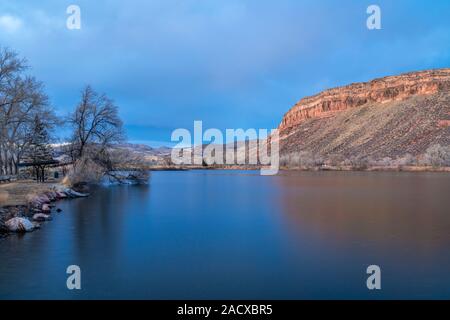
x=240, y=147
x=436, y=158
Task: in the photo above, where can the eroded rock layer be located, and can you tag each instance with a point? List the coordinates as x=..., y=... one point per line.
x=380, y=91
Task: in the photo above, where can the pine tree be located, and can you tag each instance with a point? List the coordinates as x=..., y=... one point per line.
x=39, y=151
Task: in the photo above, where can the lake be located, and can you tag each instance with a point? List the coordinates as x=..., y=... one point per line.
x=238, y=235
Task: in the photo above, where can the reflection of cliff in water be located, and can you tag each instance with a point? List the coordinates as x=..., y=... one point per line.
x=384, y=211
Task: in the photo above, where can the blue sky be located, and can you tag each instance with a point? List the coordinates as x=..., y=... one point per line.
x=229, y=63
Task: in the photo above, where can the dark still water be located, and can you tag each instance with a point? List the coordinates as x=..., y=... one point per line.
x=236, y=234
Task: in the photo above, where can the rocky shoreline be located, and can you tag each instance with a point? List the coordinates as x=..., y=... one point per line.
x=27, y=218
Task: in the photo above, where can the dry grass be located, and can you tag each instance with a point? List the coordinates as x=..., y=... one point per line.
x=17, y=193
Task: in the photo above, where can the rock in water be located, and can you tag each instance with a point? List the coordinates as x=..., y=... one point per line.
x=41, y=217
x=19, y=225
x=75, y=194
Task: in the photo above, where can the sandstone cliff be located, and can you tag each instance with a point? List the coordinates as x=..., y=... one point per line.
x=386, y=117
x=388, y=89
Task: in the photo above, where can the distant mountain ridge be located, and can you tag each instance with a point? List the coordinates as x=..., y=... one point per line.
x=143, y=148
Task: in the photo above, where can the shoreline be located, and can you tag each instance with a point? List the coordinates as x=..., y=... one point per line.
x=25, y=204
x=25, y=213
x=25, y=190
x=317, y=168
x=371, y=169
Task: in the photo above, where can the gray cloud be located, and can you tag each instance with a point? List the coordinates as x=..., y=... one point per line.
x=230, y=63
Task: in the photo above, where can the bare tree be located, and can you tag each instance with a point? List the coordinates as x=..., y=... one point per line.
x=22, y=98
x=96, y=124
x=95, y=150
x=10, y=65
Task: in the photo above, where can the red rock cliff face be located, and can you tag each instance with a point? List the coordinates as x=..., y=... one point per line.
x=383, y=90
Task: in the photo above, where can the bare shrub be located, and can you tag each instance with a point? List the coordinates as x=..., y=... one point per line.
x=406, y=160
x=437, y=156
x=301, y=159
x=335, y=159
x=284, y=160
x=357, y=162
x=291, y=160
x=85, y=171
x=385, y=162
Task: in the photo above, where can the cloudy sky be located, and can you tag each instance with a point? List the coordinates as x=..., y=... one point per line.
x=230, y=63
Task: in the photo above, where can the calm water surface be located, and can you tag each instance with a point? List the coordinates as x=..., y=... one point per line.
x=235, y=234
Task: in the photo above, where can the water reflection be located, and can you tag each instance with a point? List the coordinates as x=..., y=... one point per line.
x=238, y=235
x=392, y=211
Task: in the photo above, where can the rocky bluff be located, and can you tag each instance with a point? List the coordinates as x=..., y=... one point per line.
x=383, y=90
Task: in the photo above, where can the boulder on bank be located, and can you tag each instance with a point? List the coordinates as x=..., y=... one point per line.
x=43, y=199
x=41, y=217
x=39, y=201
x=61, y=195
x=45, y=208
x=51, y=196
x=19, y=225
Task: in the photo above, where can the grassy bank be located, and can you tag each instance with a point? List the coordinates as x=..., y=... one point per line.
x=18, y=193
